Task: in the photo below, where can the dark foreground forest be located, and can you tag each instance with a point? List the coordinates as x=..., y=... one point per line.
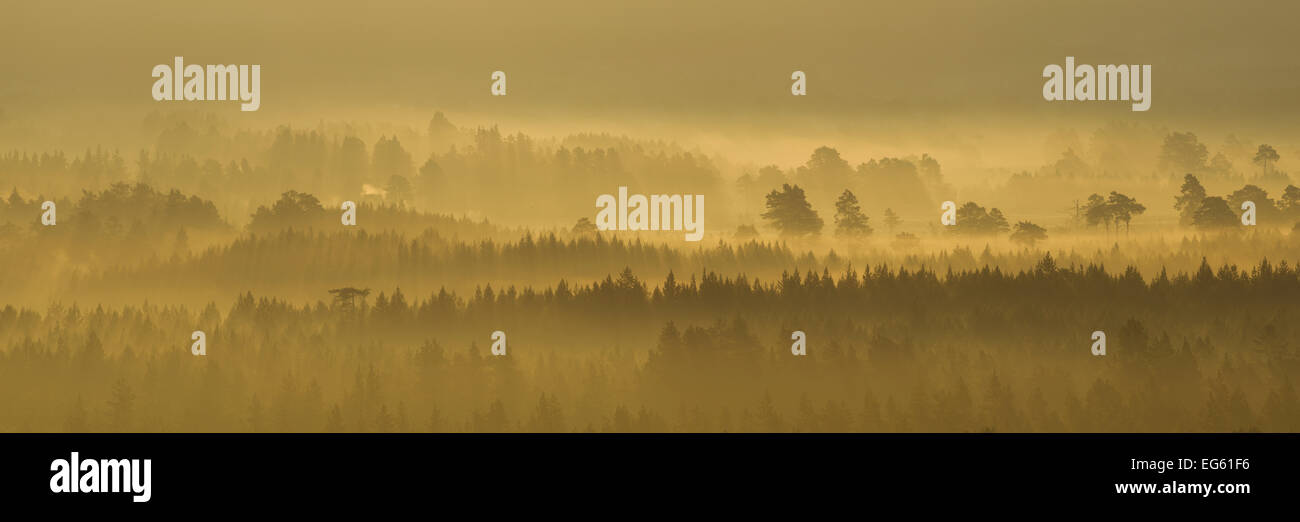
x=888, y=350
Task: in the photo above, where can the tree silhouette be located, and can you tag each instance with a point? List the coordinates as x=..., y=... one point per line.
x=1123, y=208
x=1097, y=211
x=1265, y=157
x=788, y=211
x=584, y=226
x=826, y=161
x=997, y=222
x=1028, y=233
x=975, y=220
x=1183, y=152
x=849, y=219
x=1265, y=209
x=441, y=131
x=430, y=177
x=892, y=220
x=1214, y=213
x=1190, y=195
x=390, y=159
x=346, y=298
x=1289, y=203
x=293, y=210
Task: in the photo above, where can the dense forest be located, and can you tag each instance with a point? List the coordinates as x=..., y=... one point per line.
x=890, y=350
x=912, y=323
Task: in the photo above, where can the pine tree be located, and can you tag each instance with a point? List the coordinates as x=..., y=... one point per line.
x=1214, y=212
x=1028, y=233
x=892, y=220
x=849, y=219
x=789, y=211
x=1189, y=199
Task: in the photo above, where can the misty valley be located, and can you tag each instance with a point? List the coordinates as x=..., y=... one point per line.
x=333, y=279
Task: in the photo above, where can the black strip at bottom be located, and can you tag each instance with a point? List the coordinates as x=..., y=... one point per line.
x=574, y=473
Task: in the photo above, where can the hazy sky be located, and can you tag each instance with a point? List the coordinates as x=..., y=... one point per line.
x=874, y=68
